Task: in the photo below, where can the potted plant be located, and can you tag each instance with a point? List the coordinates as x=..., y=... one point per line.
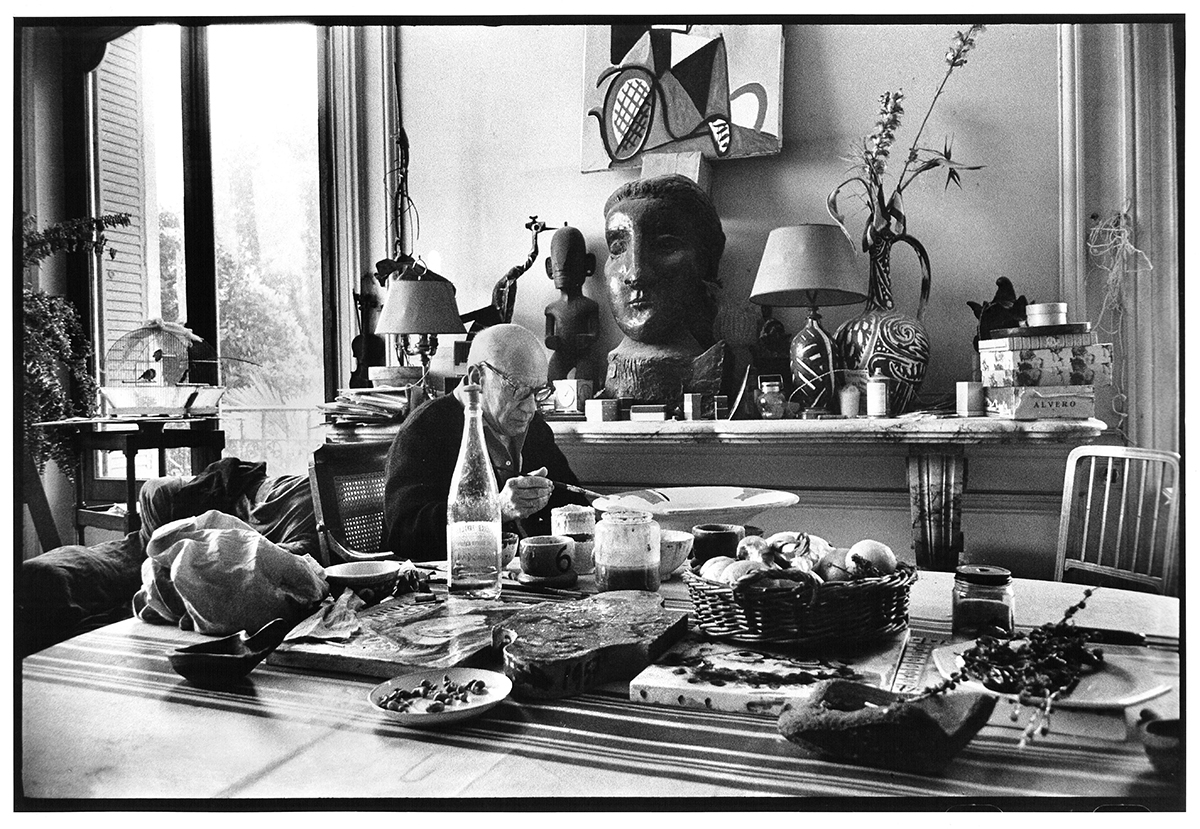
x=56, y=346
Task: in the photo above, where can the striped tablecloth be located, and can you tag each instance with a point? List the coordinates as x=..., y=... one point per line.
x=104, y=715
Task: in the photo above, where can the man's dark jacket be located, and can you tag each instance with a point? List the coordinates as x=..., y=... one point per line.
x=421, y=463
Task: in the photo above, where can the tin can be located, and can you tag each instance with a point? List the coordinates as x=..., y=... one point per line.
x=877, y=395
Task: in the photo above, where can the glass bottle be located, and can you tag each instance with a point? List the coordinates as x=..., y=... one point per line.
x=877, y=395
x=982, y=601
x=473, y=535
x=627, y=551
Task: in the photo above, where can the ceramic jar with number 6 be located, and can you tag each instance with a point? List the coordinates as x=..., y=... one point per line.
x=627, y=551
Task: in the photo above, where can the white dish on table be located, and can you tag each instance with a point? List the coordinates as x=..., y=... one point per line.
x=683, y=507
x=497, y=687
x=1119, y=684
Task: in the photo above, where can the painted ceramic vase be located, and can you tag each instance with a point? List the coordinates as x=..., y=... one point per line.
x=884, y=339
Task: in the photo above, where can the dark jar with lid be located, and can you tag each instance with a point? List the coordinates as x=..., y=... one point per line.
x=983, y=601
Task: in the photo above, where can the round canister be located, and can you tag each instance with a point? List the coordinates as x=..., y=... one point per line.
x=1046, y=313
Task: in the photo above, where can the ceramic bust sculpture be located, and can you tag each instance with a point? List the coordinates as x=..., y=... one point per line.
x=664, y=244
x=573, y=319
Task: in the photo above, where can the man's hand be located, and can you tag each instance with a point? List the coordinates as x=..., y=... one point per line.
x=524, y=495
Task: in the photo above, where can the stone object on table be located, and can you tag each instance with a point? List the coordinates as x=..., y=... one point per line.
x=699, y=673
x=394, y=637
x=554, y=650
x=865, y=725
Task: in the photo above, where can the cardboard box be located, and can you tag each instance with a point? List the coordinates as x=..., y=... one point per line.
x=1081, y=365
x=599, y=410
x=648, y=412
x=1042, y=402
x=1018, y=342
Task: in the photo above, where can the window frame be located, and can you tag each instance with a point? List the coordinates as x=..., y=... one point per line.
x=85, y=48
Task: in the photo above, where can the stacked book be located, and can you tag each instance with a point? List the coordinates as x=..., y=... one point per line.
x=381, y=404
x=1048, y=371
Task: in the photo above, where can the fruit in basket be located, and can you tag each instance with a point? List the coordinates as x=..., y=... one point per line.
x=876, y=554
x=714, y=567
x=755, y=548
x=832, y=566
x=739, y=569
x=787, y=544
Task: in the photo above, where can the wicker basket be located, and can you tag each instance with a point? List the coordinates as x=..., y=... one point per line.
x=843, y=612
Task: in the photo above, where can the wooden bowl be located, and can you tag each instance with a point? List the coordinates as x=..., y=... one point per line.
x=228, y=660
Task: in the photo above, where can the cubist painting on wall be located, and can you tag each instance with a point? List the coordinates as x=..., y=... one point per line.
x=679, y=88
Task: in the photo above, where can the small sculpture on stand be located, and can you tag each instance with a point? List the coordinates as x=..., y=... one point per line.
x=572, y=320
x=504, y=297
x=665, y=242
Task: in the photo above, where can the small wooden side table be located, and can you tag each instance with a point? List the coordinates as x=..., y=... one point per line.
x=130, y=435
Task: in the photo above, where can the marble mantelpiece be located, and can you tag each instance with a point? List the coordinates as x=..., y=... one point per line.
x=933, y=450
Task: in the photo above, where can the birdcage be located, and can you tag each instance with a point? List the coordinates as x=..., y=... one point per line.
x=148, y=372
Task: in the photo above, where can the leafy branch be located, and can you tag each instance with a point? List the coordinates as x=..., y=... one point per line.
x=870, y=158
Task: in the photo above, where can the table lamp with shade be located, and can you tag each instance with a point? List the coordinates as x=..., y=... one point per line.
x=418, y=307
x=809, y=266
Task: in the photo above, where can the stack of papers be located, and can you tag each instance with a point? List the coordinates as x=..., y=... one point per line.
x=381, y=404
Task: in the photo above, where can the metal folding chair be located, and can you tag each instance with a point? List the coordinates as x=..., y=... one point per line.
x=347, y=483
x=1120, y=518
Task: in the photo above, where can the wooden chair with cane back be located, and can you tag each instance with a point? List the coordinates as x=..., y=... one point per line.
x=347, y=482
x=1120, y=518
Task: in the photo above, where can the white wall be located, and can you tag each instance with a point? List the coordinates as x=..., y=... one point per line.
x=493, y=115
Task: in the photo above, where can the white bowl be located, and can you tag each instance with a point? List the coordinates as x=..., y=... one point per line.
x=371, y=580
x=681, y=508
x=674, y=546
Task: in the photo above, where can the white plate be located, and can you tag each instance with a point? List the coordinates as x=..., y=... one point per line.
x=498, y=688
x=682, y=507
x=1117, y=685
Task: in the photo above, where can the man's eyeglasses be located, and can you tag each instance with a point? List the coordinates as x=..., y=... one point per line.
x=522, y=391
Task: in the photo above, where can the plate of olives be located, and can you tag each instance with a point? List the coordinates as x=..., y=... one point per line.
x=437, y=697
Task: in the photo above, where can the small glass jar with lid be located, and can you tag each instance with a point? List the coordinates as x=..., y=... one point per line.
x=627, y=551
x=983, y=601
x=771, y=404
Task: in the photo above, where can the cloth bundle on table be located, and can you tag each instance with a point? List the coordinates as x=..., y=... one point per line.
x=216, y=574
x=76, y=588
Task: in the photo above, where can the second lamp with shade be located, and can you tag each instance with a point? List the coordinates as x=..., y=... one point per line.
x=419, y=308
x=807, y=266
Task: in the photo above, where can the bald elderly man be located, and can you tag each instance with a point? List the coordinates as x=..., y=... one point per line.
x=509, y=364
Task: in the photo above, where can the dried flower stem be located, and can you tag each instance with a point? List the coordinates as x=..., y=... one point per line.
x=955, y=58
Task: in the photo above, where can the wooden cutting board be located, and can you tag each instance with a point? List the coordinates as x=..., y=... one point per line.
x=554, y=650
x=754, y=679
x=398, y=637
